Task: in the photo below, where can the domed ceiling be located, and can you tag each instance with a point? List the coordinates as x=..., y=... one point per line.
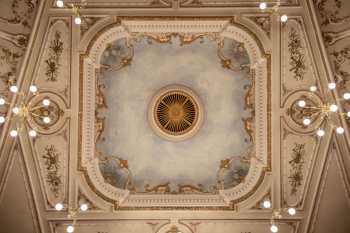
x=174, y=116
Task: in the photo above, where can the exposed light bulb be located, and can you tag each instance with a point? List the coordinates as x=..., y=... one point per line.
x=14, y=89
x=77, y=20
x=70, y=229
x=15, y=110
x=307, y=121
x=332, y=86
x=32, y=133
x=313, y=88
x=284, y=18
x=60, y=3
x=262, y=5
x=13, y=133
x=33, y=88
x=320, y=132
x=301, y=103
x=46, y=120
x=59, y=206
x=46, y=102
x=274, y=228
x=348, y=113
x=340, y=130
x=84, y=207
x=346, y=96
x=292, y=211
x=333, y=108
x=267, y=204
x=2, y=101
x=2, y=119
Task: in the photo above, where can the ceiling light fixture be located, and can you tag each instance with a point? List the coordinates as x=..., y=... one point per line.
x=284, y=18
x=274, y=228
x=70, y=229
x=292, y=211
x=332, y=86
x=262, y=5
x=13, y=88
x=33, y=89
x=23, y=110
x=59, y=206
x=340, y=130
x=320, y=132
x=60, y=3
x=77, y=20
x=313, y=88
x=301, y=103
x=84, y=207
x=267, y=204
x=13, y=133
x=324, y=110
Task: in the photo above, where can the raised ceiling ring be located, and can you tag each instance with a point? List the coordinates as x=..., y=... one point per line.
x=175, y=113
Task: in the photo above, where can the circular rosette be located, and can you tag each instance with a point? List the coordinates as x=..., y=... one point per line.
x=303, y=111
x=46, y=113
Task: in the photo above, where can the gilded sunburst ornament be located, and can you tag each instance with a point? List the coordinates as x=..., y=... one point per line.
x=175, y=112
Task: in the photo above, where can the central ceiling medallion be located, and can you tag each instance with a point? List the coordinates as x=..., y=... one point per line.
x=175, y=113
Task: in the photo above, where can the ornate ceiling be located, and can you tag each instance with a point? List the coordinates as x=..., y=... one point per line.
x=174, y=116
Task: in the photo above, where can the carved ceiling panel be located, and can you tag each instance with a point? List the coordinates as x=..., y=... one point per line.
x=223, y=37
x=243, y=136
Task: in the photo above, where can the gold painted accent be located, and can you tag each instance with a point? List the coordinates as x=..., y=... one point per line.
x=51, y=157
x=296, y=167
x=297, y=55
x=176, y=112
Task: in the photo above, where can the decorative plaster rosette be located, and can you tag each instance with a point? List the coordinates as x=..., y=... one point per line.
x=90, y=64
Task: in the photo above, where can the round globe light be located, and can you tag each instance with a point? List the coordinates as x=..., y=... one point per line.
x=313, y=88
x=346, y=96
x=32, y=133
x=2, y=119
x=332, y=86
x=15, y=110
x=84, y=207
x=70, y=229
x=2, y=101
x=46, y=120
x=292, y=211
x=77, y=20
x=59, y=206
x=301, y=103
x=13, y=133
x=320, y=132
x=340, y=130
x=284, y=18
x=333, y=108
x=59, y=3
x=262, y=6
x=267, y=204
x=307, y=121
x=33, y=89
x=274, y=228
x=14, y=89
x=46, y=102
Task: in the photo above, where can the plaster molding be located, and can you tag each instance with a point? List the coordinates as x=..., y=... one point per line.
x=259, y=162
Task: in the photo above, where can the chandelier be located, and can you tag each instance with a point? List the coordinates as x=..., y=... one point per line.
x=324, y=110
x=42, y=113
